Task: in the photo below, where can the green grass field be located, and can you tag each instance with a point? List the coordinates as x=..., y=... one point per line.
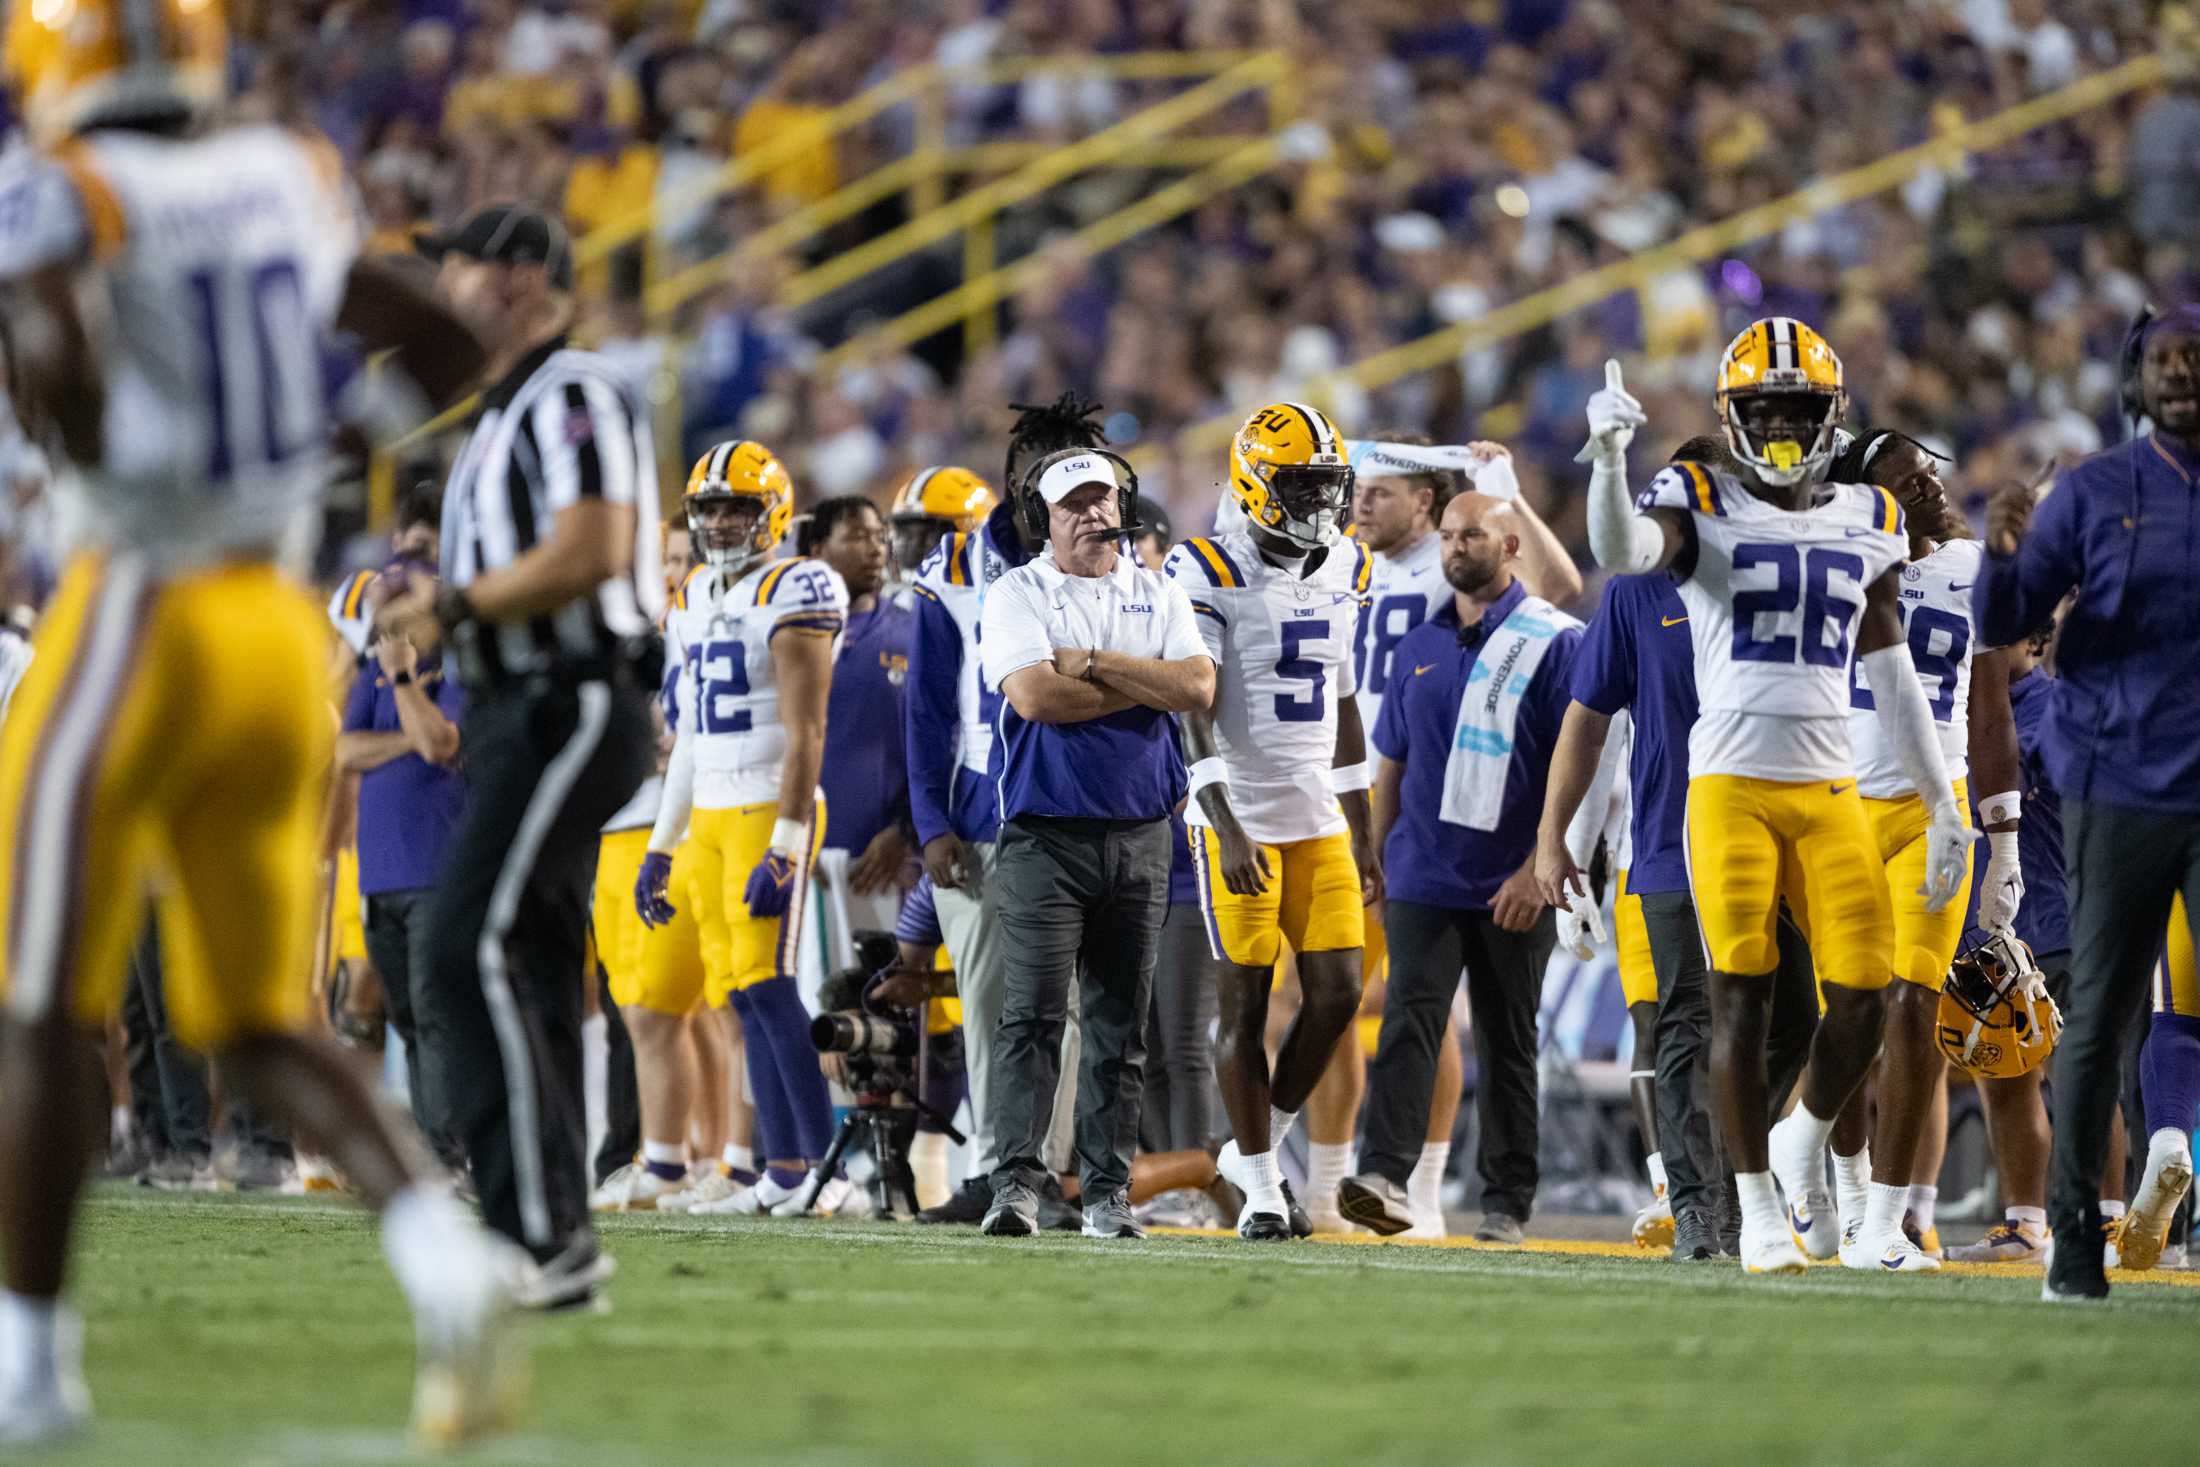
x=242, y=1332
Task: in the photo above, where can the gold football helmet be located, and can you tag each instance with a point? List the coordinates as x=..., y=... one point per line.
x=938, y=501
x=735, y=474
x=1780, y=399
x=1996, y=1019
x=1288, y=473
x=76, y=63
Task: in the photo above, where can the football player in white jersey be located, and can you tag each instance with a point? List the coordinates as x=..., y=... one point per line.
x=1278, y=818
x=171, y=288
x=753, y=640
x=1782, y=574
x=1967, y=689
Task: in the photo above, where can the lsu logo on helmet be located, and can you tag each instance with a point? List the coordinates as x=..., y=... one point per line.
x=1288, y=473
x=734, y=474
x=1995, y=1018
x=77, y=63
x=937, y=501
x=1780, y=399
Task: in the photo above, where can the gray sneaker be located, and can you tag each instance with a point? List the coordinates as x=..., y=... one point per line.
x=1014, y=1213
x=1112, y=1218
x=1694, y=1239
x=1376, y=1203
x=1501, y=1227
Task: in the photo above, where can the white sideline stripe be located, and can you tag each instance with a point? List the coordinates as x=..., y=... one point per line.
x=556, y=784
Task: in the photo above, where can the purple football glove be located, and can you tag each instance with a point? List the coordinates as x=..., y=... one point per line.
x=771, y=885
x=652, y=890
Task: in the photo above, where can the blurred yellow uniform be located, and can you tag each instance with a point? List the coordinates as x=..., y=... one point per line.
x=170, y=739
x=1638, y=976
x=347, y=931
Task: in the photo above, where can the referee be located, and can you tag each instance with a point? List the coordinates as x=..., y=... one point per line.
x=549, y=590
x=1093, y=654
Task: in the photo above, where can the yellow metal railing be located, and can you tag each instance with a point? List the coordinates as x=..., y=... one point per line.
x=1542, y=307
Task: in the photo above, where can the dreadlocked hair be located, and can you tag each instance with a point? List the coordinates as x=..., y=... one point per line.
x=1853, y=464
x=1066, y=422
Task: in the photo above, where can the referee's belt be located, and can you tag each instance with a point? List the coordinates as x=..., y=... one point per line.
x=631, y=662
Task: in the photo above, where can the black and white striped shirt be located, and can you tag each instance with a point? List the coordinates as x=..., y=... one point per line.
x=556, y=430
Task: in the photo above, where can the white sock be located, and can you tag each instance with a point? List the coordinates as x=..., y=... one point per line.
x=738, y=1158
x=1656, y=1166
x=1327, y=1164
x=1279, y=1126
x=2169, y=1139
x=423, y=1231
x=2032, y=1220
x=928, y=1161
x=1761, y=1210
x=1852, y=1175
x=1883, y=1207
x=1819, y=1132
x=1425, y=1187
x=118, y=1125
x=1263, y=1181
x=30, y=1336
x=2111, y=1210
x=596, y=1080
x=1922, y=1200
x=664, y=1153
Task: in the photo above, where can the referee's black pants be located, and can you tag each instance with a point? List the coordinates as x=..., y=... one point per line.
x=547, y=763
x=1429, y=946
x=2125, y=865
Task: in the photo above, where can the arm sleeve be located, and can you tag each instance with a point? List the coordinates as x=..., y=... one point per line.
x=1908, y=722
x=1622, y=539
x=932, y=728
x=1012, y=634
x=679, y=794
x=2015, y=594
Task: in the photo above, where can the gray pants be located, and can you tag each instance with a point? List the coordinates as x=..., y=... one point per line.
x=970, y=925
x=1686, y=1138
x=2125, y=865
x=1079, y=904
x=1179, y=1107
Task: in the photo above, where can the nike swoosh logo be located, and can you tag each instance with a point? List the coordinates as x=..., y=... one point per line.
x=1853, y=533
x=1799, y=1220
x=1892, y=1260
x=1671, y=621
x=1424, y=667
x=1839, y=789
x=1961, y=585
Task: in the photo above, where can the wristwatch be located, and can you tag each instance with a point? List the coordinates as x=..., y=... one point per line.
x=1092, y=655
x=401, y=679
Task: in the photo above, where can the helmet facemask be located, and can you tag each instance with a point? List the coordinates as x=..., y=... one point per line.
x=1312, y=500
x=1785, y=434
x=914, y=536
x=725, y=528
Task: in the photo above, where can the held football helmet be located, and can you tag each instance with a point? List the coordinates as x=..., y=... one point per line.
x=1780, y=399
x=1288, y=473
x=1995, y=1018
x=937, y=501
x=74, y=64
x=735, y=475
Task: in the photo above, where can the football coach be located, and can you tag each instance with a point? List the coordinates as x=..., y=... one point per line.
x=1093, y=655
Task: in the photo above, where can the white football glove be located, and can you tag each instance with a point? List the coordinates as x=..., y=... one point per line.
x=2002, y=892
x=1614, y=415
x=1581, y=928
x=1947, y=840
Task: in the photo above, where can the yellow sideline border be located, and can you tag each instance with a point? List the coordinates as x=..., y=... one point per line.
x=1584, y=1248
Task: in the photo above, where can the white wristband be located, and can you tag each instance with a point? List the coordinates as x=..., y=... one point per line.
x=1996, y=808
x=1345, y=778
x=790, y=837
x=1207, y=771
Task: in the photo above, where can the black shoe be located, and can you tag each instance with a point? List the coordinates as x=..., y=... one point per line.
x=967, y=1206
x=1055, y=1213
x=1014, y=1213
x=1263, y=1227
x=1693, y=1236
x=571, y=1280
x=1302, y=1226
x=1376, y=1203
x=2075, y=1275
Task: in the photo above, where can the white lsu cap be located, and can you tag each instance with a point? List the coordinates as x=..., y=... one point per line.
x=1073, y=473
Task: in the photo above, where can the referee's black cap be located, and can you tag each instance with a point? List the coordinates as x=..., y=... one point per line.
x=507, y=234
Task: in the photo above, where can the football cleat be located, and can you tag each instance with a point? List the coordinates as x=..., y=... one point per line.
x=714, y=1185
x=2005, y=1242
x=1694, y=1239
x=471, y=1380
x=830, y=1198
x=1376, y=1203
x=1926, y=1239
x=1799, y=1167
x=1257, y=1226
x=635, y=1188
x=1654, y=1224
x=1770, y=1252
x=2168, y=1176
x=52, y=1403
x=1891, y=1253
x=762, y=1200
x=1302, y=1225
x=2075, y=1282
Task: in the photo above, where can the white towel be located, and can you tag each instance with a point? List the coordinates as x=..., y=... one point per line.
x=1493, y=476
x=1482, y=745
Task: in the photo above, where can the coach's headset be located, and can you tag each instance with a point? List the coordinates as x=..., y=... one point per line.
x=1031, y=506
